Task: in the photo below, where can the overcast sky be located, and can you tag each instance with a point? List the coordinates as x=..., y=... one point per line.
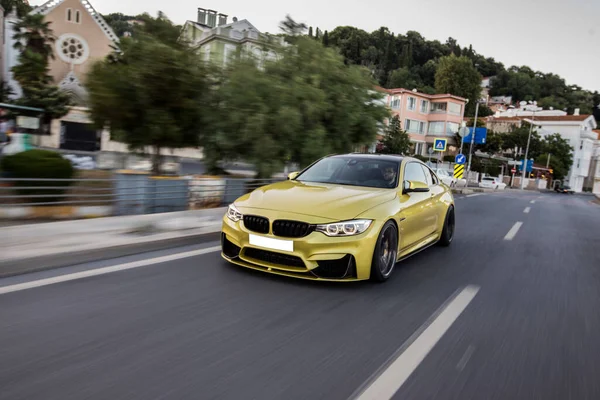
x=556, y=36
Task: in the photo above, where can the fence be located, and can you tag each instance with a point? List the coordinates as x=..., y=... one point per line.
x=125, y=194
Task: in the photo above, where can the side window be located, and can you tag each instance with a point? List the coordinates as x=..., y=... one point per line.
x=414, y=172
x=431, y=178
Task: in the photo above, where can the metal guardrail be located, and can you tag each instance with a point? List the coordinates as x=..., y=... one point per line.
x=127, y=194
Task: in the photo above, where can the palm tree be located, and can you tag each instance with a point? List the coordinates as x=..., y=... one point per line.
x=33, y=34
x=22, y=7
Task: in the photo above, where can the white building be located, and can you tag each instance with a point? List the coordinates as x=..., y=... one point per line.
x=577, y=129
x=593, y=180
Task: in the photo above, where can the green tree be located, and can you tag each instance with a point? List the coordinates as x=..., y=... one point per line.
x=560, y=152
x=21, y=7
x=326, y=39
x=161, y=28
x=458, y=76
x=404, y=78
x=310, y=32
x=34, y=39
x=396, y=140
x=304, y=105
x=151, y=96
x=119, y=23
x=517, y=138
x=292, y=28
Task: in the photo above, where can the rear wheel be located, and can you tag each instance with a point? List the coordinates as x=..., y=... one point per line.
x=386, y=253
x=448, y=231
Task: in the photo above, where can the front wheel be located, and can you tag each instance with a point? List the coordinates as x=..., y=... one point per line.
x=448, y=231
x=386, y=253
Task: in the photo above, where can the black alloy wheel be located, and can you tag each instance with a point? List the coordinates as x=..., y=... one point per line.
x=386, y=253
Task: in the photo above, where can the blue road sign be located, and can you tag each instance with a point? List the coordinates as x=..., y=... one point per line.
x=460, y=159
x=480, y=136
x=439, y=144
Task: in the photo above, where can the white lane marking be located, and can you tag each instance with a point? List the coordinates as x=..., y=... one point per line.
x=526, y=210
x=474, y=195
x=532, y=201
x=105, y=270
x=399, y=370
x=465, y=358
x=513, y=231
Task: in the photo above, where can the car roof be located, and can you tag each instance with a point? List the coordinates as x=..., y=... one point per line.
x=368, y=156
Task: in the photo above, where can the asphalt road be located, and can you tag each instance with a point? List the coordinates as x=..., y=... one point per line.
x=196, y=328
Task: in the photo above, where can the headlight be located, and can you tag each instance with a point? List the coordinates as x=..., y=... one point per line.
x=233, y=213
x=345, y=228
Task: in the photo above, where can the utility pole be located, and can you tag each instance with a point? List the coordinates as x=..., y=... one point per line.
x=472, y=141
x=548, y=162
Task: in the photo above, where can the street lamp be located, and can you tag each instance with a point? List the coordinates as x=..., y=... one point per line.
x=534, y=103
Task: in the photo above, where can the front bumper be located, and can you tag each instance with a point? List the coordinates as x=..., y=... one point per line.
x=315, y=256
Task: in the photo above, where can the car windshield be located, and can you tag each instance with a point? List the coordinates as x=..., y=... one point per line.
x=488, y=179
x=353, y=171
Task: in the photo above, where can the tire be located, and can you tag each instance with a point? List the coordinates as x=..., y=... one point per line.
x=449, y=227
x=385, y=253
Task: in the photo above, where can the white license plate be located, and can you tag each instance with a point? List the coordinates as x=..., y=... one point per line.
x=273, y=244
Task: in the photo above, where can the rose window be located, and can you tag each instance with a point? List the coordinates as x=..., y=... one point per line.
x=72, y=49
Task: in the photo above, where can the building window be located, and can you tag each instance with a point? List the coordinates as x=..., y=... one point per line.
x=436, y=128
x=72, y=48
x=581, y=145
x=228, y=53
x=577, y=163
x=207, y=53
x=454, y=108
x=438, y=107
x=395, y=104
x=415, y=126
x=78, y=16
x=419, y=148
x=69, y=14
x=412, y=104
x=424, y=106
x=451, y=128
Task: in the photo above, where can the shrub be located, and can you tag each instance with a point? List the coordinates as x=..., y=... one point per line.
x=39, y=164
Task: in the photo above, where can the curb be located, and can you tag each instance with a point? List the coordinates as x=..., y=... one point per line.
x=54, y=261
x=55, y=212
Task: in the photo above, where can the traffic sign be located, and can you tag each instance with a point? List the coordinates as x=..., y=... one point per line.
x=480, y=136
x=460, y=159
x=439, y=144
x=528, y=167
x=514, y=170
x=459, y=170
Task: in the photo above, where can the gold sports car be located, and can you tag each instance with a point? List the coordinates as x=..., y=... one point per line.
x=343, y=218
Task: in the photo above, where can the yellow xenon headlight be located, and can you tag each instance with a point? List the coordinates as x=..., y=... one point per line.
x=345, y=228
x=234, y=214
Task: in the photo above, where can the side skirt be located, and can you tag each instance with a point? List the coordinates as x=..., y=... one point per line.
x=425, y=244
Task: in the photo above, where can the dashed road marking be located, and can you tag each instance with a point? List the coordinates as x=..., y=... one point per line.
x=106, y=270
x=408, y=357
x=532, y=201
x=526, y=210
x=474, y=195
x=513, y=231
x=465, y=358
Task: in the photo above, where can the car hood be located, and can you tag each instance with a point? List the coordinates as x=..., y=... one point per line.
x=333, y=202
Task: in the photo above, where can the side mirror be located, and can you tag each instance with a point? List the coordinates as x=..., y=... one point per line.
x=293, y=175
x=414, y=187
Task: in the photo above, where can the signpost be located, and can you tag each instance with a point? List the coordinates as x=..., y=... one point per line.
x=440, y=144
x=459, y=170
